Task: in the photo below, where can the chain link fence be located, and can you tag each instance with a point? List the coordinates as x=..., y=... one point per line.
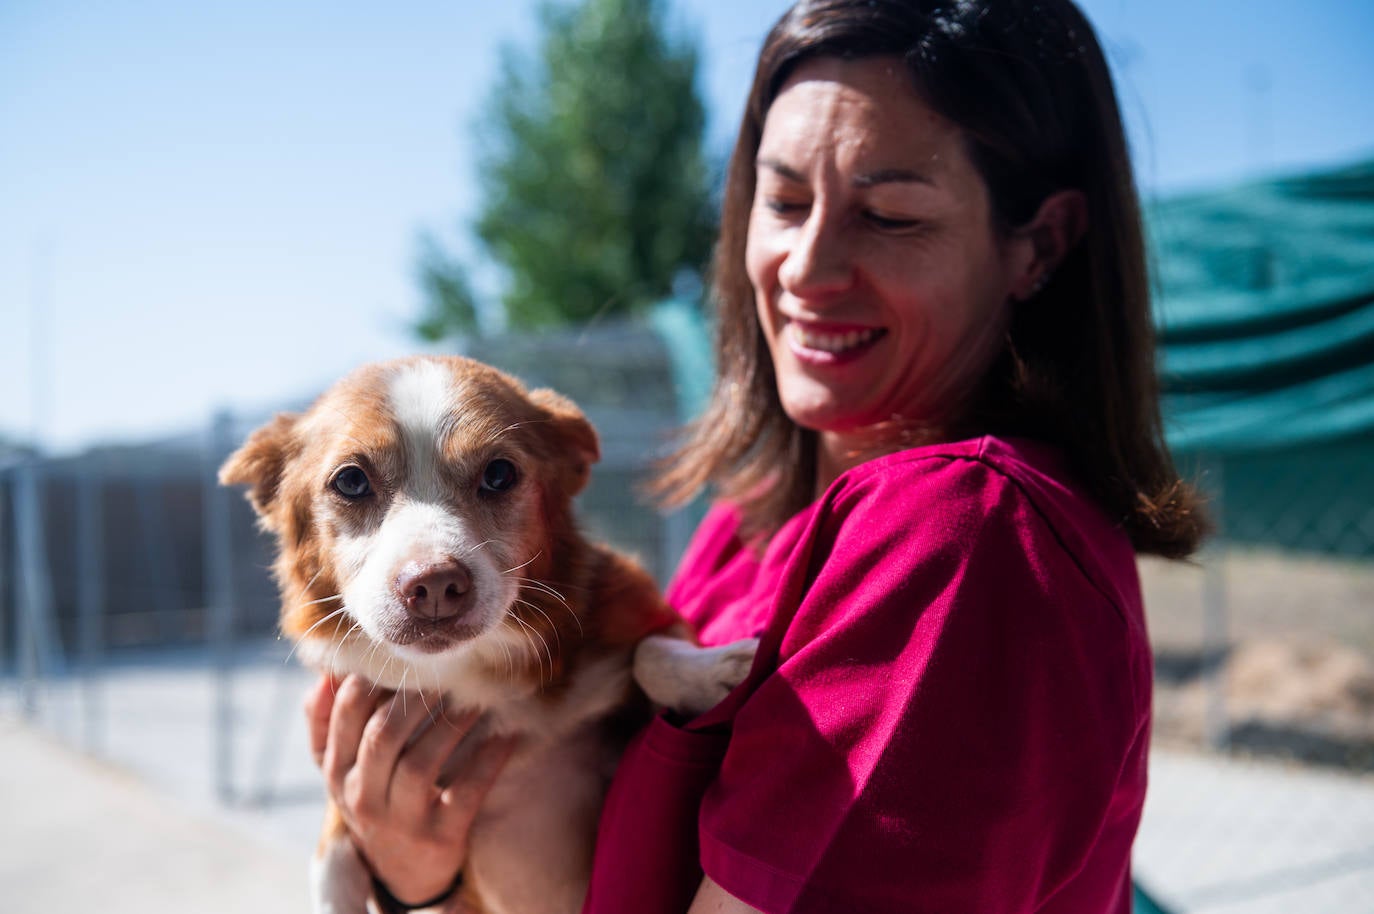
x=1263, y=786
x=139, y=622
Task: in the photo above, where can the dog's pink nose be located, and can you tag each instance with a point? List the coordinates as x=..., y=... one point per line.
x=434, y=592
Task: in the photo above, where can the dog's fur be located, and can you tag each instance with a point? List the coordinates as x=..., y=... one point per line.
x=459, y=570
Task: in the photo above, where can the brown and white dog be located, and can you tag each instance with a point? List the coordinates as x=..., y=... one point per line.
x=423, y=510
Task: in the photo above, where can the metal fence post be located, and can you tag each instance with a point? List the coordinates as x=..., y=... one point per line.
x=8, y=604
x=157, y=552
x=90, y=547
x=36, y=640
x=219, y=583
x=1215, y=628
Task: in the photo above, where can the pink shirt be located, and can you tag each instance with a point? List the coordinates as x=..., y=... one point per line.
x=958, y=715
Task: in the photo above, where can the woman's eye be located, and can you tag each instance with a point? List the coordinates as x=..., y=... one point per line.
x=352, y=483
x=499, y=476
x=890, y=223
x=784, y=207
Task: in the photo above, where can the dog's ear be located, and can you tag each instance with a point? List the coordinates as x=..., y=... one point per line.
x=574, y=432
x=260, y=461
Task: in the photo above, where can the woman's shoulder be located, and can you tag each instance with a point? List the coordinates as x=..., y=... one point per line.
x=1014, y=498
x=958, y=468
x=979, y=475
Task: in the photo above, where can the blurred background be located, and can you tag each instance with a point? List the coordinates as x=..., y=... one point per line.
x=209, y=212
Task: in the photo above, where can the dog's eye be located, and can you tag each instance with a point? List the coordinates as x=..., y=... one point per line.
x=352, y=482
x=499, y=476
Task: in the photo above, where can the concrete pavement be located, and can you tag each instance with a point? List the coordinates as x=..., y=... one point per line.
x=1225, y=836
x=82, y=835
x=145, y=830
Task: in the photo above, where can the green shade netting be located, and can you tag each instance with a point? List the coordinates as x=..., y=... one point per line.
x=1265, y=310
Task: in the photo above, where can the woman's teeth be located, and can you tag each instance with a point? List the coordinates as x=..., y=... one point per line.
x=831, y=342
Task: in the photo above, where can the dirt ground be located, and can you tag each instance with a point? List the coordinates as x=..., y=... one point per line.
x=1265, y=653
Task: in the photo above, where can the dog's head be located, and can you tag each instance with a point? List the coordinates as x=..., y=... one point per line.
x=413, y=500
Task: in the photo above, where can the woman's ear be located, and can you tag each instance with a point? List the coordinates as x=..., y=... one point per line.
x=1057, y=226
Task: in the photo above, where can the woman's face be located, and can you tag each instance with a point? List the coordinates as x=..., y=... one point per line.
x=882, y=288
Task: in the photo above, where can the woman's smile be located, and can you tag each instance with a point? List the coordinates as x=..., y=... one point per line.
x=830, y=344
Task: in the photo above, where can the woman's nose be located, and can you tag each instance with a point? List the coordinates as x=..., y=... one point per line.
x=817, y=259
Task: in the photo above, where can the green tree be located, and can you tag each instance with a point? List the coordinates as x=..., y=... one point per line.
x=596, y=186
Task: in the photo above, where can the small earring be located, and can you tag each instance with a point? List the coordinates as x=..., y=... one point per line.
x=1040, y=282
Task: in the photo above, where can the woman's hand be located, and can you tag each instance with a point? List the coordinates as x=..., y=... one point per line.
x=382, y=754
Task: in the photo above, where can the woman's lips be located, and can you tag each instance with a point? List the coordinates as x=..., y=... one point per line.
x=830, y=343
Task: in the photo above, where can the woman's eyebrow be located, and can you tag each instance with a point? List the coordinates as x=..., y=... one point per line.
x=777, y=167
x=867, y=179
x=892, y=176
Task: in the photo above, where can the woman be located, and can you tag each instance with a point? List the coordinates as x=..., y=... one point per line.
x=936, y=439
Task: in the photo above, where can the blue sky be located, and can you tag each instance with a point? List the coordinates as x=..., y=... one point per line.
x=217, y=205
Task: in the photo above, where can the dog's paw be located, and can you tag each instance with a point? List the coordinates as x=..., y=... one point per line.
x=731, y=662
x=689, y=679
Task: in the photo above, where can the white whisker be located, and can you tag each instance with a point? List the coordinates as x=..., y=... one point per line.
x=471, y=549
x=334, y=660
x=505, y=650
x=373, y=649
x=557, y=639
x=533, y=606
x=311, y=582
x=335, y=614
x=510, y=661
x=541, y=587
x=386, y=666
x=432, y=713
x=524, y=563
x=529, y=630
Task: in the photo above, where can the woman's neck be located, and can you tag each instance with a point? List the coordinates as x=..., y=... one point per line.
x=837, y=452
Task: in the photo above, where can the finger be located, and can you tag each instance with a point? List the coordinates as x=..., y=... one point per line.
x=460, y=800
x=417, y=773
x=385, y=736
x=319, y=702
x=354, y=703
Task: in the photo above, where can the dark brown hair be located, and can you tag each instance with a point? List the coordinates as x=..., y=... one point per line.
x=1027, y=84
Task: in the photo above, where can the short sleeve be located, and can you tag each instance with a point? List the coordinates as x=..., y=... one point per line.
x=950, y=717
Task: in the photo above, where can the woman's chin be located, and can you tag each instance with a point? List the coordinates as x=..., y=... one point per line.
x=831, y=417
